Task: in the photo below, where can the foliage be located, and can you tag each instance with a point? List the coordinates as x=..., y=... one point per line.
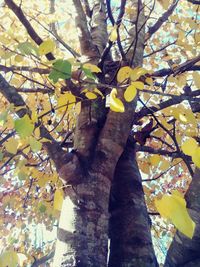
x=53, y=86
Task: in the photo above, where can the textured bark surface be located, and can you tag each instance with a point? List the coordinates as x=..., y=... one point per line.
x=82, y=232
x=183, y=251
x=129, y=231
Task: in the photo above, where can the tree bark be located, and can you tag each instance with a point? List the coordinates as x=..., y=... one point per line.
x=129, y=231
x=183, y=251
x=82, y=232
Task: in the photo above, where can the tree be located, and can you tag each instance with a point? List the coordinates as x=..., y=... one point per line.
x=92, y=96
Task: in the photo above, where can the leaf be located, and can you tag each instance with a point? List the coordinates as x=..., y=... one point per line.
x=115, y=103
x=90, y=95
x=11, y=146
x=46, y=47
x=3, y=117
x=136, y=73
x=61, y=70
x=66, y=100
x=130, y=93
x=42, y=208
x=88, y=73
x=196, y=78
x=123, y=74
x=92, y=67
x=113, y=34
x=138, y=85
x=24, y=126
x=155, y=160
x=189, y=146
x=58, y=199
x=78, y=108
x=149, y=81
x=9, y=259
x=27, y=48
x=165, y=164
x=35, y=145
x=98, y=92
x=173, y=207
x=196, y=157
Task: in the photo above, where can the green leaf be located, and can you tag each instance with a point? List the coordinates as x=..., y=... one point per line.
x=1, y=155
x=42, y=208
x=24, y=126
x=3, y=117
x=61, y=70
x=35, y=145
x=22, y=175
x=88, y=73
x=27, y=48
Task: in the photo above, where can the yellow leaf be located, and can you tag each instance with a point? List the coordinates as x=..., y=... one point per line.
x=113, y=34
x=18, y=58
x=115, y=103
x=123, y=74
x=11, y=146
x=189, y=146
x=165, y=164
x=164, y=3
x=98, y=92
x=137, y=73
x=196, y=78
x=90, y=95
x=58, y=199
x=149, y=81
x=46, y=47
x=78, y=108
x=66, y=100
x=155, y=159
x=196, y=157
x=92, y=67
x=9, y=259
x=173, y=207
x=138, y=85
x=130, y=93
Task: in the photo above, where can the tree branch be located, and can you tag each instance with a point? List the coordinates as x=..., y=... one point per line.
x=19, y=13
x=24, y=68
x=161, y=20
x=43, y=259
x=87, y=47
x=195, y=2
x=188, y=65
x=173, y=101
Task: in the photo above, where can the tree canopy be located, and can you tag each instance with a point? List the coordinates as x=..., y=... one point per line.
x=79, y=78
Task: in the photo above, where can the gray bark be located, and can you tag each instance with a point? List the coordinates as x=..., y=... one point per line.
x=130, y=235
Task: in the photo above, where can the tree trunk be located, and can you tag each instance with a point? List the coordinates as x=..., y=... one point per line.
x=82, y=233
x=183, y=251
x=129, y=231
